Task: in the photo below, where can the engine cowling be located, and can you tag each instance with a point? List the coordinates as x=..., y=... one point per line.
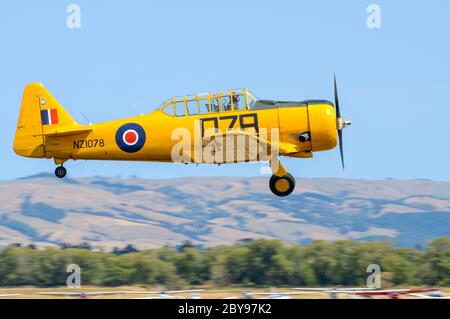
x=322, y=123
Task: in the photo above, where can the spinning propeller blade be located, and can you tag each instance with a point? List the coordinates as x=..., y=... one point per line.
x=340, y=122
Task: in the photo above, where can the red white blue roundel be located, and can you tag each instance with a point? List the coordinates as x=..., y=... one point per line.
x=130, y=137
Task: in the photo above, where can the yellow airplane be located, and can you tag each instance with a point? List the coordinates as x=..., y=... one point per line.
x=220, y=127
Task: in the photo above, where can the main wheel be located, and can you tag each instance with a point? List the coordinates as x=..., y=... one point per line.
x=282, y=186
x=60, y=171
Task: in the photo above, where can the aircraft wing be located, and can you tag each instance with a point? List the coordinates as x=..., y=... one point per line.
x=160, y=297
x=93, y=293
x=246, y=145
x=183, y=291
x=318, y=289
x=284, y=293
x=391, y=291
x=334, y=289
x=422, y=296
x=59, y=293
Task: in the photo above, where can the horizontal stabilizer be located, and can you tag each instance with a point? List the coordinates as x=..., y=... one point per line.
x=67, y=130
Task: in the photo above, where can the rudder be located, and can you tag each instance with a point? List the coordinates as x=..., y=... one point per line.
x=39, y=112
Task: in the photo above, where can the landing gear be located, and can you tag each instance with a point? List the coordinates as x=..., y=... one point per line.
x=281, y=183
x=282, y=186
x=60, y=171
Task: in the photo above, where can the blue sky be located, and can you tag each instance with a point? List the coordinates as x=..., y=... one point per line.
x=394, y=82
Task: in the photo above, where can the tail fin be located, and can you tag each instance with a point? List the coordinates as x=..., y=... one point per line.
x=40, y=112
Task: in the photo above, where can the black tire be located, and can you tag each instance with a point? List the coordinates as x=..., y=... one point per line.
x=286, y=187
x=60, y=172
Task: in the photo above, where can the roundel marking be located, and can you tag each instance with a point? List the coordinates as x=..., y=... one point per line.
x=130, y=137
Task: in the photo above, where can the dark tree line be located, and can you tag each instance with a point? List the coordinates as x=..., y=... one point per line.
x=254, y=263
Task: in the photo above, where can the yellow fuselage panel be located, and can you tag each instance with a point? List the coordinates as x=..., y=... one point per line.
x=294, y=121
x=101, y=144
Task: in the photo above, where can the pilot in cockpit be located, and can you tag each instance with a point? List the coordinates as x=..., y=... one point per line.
x=227, y=106
x=236, y=100
x=214, y=105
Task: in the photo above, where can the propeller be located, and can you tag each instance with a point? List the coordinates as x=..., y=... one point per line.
x=341, y=123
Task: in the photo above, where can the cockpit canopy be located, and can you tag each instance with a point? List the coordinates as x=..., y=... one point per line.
x=204, y=103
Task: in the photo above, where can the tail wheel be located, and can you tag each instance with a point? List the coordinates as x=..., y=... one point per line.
x=60, y=171
x=282, y=186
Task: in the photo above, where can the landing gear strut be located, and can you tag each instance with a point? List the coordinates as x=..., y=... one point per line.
x=60, y=171
x=281, y=183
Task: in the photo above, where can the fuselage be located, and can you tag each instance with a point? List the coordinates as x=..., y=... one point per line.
x=316, y=119
x=221, y=127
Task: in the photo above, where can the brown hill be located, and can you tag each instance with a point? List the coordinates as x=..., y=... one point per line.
x=110, y=212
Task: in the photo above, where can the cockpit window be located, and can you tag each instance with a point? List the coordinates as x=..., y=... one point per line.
x=203, y=103
x=250, y=101
x=214, y=104
x=226, y=103
x=238, y=101
x=168, y=109
x=192, y=107
x=180, y=108
x=204, y=107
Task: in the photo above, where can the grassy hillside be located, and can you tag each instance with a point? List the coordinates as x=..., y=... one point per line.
x=111, y=212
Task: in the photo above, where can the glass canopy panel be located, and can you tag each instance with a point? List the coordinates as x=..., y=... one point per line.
x=208, y=102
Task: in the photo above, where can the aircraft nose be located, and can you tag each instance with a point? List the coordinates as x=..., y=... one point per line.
x=322, y=122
